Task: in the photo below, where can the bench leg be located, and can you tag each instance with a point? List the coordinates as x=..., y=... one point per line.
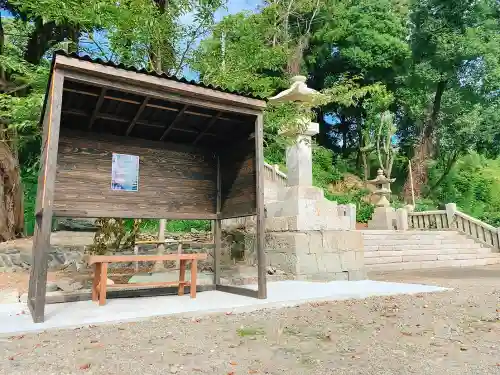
x=103, y=284
x=194, y=274
x=95, y=282
x=182, y=277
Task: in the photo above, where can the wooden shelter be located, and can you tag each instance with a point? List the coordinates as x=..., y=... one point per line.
x=199, y=148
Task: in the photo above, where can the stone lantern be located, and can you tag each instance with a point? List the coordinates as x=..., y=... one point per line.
x=299, y=155
x=300, y=202
x=306, y=235
x=384, y=215
x=383, y=185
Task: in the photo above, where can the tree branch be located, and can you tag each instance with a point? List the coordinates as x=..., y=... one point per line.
x=188, y=47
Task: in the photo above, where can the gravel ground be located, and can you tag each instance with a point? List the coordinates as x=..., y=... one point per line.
x=455, y=332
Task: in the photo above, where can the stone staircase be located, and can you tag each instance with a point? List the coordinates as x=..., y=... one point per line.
x=387, y=250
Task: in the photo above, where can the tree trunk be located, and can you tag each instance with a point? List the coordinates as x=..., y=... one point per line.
x=156, y=53
x=11, y=196
x=44, y=36
x=2, y=43
x=366, y=170
x=424, y=150
x=446, y=172
x=344, y=128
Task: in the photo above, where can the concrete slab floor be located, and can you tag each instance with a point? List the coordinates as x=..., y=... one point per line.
x=15, y=318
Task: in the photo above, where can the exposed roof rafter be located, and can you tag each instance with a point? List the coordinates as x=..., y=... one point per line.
x=210, y=124
x=97, y=107
x=137, y=115
x=169, y=128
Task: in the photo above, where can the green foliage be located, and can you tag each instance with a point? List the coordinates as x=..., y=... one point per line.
x=364, y=210
x=187, y=225
x=474, y=185
x=152, y=226
x=241, y=55
x=324, y=172
x=29, y=178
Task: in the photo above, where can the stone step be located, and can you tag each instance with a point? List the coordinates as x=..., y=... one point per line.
x=389, y=253
x=471, y=247
x=396, y=236
x=429, y=240
x=424, y=258
x=417, y=240
x=409, y=232
x=433, y=264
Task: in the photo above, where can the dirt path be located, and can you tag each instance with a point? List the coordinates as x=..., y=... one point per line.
x=455, y=332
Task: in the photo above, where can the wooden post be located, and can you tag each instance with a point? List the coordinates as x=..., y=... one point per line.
x=217, y=226
x=194, y=275
x=179, y=252
x=95, y=282
x=161, y=247
x=136, y=252
x=182, y=277
x=45, y=195
x=103, y=283
x=260, y=227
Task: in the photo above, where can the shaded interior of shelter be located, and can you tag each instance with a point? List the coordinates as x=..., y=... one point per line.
x=87, y=107
x=97, y=121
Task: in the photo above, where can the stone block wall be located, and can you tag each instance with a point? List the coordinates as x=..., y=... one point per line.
x=317, y=255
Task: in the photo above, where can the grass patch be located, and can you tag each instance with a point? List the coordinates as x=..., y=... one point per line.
x=245, y=332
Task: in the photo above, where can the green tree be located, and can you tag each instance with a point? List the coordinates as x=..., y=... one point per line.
x=454, y=74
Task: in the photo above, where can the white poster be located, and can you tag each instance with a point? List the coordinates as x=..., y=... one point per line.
x=125, y=172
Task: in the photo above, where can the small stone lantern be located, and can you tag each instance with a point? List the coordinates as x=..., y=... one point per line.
x=384, y=216
x=383, y=185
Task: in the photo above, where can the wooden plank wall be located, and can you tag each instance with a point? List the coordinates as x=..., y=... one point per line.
x=238, y=180
x=174, y=182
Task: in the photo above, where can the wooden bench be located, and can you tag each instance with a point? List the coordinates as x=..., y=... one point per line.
x=101, y=262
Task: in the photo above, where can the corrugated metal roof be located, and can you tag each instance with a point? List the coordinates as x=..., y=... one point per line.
x=155, y=74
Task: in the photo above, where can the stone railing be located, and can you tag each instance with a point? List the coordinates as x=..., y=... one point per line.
x=428, y=220
x=272, y=173
x=482, y=232
x=453, y=219
x=348, y=210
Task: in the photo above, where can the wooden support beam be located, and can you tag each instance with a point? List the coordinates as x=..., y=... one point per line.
x=217, y=226
x=169, y=128
x=81, y=92
x=150, y=105
x=97, y=108
x=237, y=290
x=133, y=292
x=137, y=115
x=45, y=198
x=99, y=115
x=133, y=215
x=210, y=124
x=260, y=227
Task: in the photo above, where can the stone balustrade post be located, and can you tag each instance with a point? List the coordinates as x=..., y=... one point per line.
x=351, y=213
x=451, y=209
x=498, y=240
x=401, y=219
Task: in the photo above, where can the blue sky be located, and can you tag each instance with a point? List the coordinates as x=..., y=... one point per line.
x=235, y=6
